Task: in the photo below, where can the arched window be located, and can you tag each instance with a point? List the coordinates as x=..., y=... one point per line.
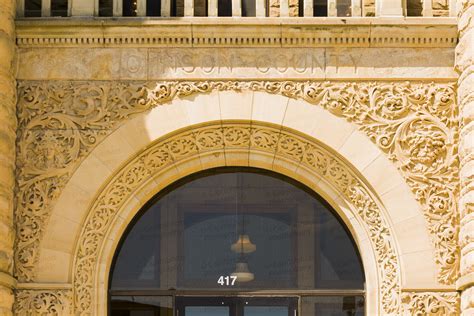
x=222, y=243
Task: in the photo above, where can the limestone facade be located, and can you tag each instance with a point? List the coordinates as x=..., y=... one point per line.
x=7, y=154
x=464, y=65
x=373, y=114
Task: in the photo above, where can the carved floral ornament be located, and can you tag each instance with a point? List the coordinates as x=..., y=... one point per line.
x=415, y=124
x=236, y=137
x=43, y=302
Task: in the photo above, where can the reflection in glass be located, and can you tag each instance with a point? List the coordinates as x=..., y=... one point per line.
x=207, y=311
x=333, y=306
x=32, y=8
x=141, y=306
x=343, y=7
x=265, y=311
x=210, y=227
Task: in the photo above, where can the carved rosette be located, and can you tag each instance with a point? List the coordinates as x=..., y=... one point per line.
x=240, y=138
x=430, y=303
x=43, y=302
x=415, y=124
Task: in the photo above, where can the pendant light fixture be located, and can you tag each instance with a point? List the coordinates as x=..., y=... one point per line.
x=243, y=245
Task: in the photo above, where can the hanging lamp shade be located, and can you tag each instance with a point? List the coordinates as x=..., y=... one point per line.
x=242, y=272
x=243, y=245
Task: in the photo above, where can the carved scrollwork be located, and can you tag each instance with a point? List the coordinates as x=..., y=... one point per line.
x=241, y=138
x=430, y=303
x=415, y=124
x=43, y=302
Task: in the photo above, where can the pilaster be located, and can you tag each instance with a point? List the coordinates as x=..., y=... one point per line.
x=465, y=66
x=7, y=153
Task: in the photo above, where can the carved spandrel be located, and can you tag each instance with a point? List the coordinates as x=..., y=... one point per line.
x=415, y=124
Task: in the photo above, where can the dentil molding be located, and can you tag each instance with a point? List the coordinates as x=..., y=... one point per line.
x=242, y=32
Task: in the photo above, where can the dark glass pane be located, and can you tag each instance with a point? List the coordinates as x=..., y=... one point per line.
x=344, y=8
x=141, y=306
x=153, y=8
x=177, y=8
x=200, y=7
x=267, y=232
x=336, y=267
x=236, y=306
x=300, y=7
x=32, y=8
x=248, y=8
x=59, y=7
x=332, y=306
x=414, y=8
x=105, y=7
x=224, y=8
x=129, y=7
x=206, y=311
x=320, y=8
x=138, y=262
x=266, y=311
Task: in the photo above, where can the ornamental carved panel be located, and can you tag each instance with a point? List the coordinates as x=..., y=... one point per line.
x=233, y=137
x=414, y=123
x=38, y=302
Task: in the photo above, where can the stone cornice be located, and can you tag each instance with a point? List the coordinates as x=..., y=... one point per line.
x=237, y=32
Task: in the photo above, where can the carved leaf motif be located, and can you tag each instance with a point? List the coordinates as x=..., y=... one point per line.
x=43, y=302
x=430, y=303
x=184, y=146
x=415, y=124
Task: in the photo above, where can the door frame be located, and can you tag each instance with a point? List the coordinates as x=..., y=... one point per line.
x=236, y=303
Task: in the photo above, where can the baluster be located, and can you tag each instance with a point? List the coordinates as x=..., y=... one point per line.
x=452, y=7
x=188, y=7
x=260, y=8
x=20, y=8
x=392, y=8
x=237, y=8
x=117, y=9
x=212, y=7
x=141, y=7
x=165, y=8
x=284, y=9
x=45, y=8
x=427, y=8
x=332, y=8
x=83, y=7
x=308, y=8
x=356, y=7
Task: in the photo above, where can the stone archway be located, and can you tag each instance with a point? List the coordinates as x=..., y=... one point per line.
x=273, y=102
x=230, y=143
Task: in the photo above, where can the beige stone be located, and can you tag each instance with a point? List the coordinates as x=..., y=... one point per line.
x=7, y=152
x=311, y=75
x=464, y=64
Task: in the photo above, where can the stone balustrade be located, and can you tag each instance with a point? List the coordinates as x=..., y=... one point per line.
x=236, y=8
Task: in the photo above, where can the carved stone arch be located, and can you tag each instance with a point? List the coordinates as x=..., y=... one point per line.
x=235, y=143
x=222, y=101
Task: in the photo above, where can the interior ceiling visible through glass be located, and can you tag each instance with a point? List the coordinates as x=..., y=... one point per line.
x=241, y=231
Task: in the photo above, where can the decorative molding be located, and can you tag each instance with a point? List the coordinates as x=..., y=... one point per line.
x=253, y=32
x=39, y=302
x=415, y=124
x=250, y=137
x=430, y=303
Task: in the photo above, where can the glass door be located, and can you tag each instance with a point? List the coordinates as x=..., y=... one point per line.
x=236, y=306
